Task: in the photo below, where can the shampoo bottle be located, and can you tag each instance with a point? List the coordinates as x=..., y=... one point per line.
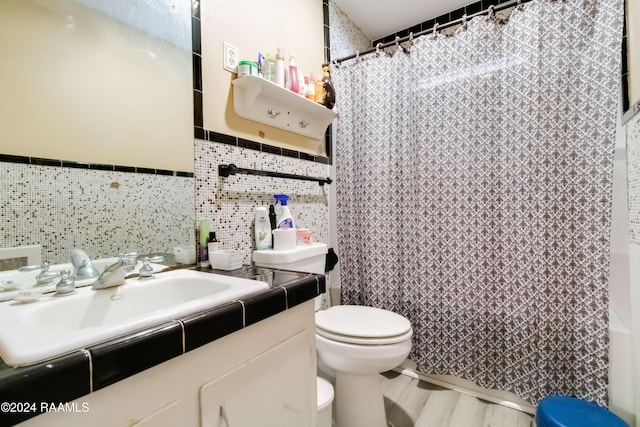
x=285, y=220
x=262, y=228
x=279, y=69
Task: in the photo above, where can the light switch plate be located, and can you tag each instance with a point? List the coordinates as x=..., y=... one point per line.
x=230, y=57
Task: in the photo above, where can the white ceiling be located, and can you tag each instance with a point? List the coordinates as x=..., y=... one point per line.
x=379, y=18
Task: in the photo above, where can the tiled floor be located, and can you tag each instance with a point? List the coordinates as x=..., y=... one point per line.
x=413, y=403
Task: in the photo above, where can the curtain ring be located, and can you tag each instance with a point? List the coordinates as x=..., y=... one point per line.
x=378, y=49
x=357, y=56
x=434, y=31
x=491, y=14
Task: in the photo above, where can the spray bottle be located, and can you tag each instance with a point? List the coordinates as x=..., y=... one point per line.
x=285, y=220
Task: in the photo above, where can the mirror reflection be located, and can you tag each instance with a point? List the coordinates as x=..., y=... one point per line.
x=96, y=114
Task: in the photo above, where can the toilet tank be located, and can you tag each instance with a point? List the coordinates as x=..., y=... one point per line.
x=305, y=258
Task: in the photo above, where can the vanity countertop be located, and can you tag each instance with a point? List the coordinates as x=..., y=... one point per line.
x=31, y=390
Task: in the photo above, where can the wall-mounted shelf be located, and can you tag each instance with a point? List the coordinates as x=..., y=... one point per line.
x=257, y=99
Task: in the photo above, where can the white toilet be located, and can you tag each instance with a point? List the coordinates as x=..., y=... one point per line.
x=356, y=342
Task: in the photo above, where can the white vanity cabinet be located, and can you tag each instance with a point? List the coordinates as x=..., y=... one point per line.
x=262, y=375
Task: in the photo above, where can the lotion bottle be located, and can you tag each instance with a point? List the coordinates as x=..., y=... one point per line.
x=279, y=68
x=262, y=228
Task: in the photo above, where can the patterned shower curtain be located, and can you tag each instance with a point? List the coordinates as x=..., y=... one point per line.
x=474, y=181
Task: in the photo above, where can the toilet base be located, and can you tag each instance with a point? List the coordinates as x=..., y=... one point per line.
x=359, y=400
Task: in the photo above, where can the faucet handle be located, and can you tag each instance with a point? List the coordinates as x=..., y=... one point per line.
x=66, y=285
x=146, y=270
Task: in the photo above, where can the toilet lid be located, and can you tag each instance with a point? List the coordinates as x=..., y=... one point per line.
x=362, y=325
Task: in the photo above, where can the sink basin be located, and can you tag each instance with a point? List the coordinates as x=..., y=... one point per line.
x=54, y=325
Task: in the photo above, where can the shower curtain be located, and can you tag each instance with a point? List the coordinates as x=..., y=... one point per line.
x=474, y=181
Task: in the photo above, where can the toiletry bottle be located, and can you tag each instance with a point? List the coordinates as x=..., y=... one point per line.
x=260, y=63
x=285, y=220
x=294, y=84
x=262, y=228
x=319, y=91
x=311, y=87
x=272, y=217
x=328, y=92
x=213, y=244
x=204, y=238
x=279, y=69
x=269, y=68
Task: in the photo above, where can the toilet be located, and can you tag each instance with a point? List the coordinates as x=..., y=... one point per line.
x=356, y=343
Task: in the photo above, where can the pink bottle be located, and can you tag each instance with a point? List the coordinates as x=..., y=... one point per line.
x=294, y=85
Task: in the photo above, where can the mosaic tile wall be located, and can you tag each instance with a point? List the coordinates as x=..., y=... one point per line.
x=633, y=177
x=229, y=202
x=60, y=208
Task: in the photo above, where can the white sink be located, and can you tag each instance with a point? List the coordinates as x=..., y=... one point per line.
x=54, y=325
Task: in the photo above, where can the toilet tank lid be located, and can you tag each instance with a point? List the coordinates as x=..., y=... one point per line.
x=273, y=257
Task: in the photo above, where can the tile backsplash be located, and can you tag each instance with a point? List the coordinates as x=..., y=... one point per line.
x=101, y=212
x=229, y=202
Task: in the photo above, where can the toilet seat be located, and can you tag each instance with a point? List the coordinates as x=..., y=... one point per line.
x=362, y=325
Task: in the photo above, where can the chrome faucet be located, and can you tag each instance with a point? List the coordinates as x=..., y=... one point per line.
x=115, y=274
x=82, y=265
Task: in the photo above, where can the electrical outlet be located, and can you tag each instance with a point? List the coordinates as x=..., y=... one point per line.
x=230, y=57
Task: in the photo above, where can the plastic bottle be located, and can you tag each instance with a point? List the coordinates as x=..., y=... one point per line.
x=285, y=220
x=262, y=228
x=204, y=239
x=294, y=83
x=311, y=87
x=279, y=74
x=328, y=92
x=269, y=68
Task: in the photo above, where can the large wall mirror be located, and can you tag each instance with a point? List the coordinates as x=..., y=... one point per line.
x=96, y=115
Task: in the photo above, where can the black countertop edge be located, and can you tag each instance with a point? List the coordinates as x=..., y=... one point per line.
x=34, y=389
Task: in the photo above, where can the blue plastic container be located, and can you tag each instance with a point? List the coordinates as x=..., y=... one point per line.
x=563, y=411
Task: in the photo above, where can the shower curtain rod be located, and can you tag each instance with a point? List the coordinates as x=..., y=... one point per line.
x=436, y=27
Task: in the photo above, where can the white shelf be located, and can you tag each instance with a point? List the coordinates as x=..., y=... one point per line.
x=257, y=99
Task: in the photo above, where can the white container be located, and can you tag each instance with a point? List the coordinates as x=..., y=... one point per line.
x=325, y=399
x=247, y=68
x=262, y=228
x=185, y=254
x=226, y=259
x=284, y=239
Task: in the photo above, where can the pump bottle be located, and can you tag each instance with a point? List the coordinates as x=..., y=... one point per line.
x=279, y=69
x=285, y=220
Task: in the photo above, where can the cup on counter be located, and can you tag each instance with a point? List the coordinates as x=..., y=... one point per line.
x=284, y=239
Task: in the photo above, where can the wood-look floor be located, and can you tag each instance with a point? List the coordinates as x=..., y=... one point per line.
x=410, y=402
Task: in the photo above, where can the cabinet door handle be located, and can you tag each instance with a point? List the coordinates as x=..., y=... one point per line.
x=223, y=415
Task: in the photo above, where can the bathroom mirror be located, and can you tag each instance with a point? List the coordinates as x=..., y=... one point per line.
x=102, y=91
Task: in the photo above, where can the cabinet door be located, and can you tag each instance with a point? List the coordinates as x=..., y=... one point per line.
x=276, y=388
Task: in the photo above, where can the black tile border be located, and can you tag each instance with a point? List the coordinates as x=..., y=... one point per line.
x=209, y=135
x=84, y=371
x=39, y=161
x=116, y=360
x=60, y=380
x=205, y=327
